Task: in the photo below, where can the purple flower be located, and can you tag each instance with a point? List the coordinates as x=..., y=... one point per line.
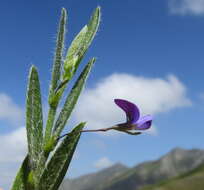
x=134, y=121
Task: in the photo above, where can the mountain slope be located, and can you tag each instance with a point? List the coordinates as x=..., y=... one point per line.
x=174, y=163
x=188, y=181
x=95, y=180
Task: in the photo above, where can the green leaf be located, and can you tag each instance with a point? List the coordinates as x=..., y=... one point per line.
x=56, y=70
x=72, y=57
x=60, y=160
x=71, y=99
x=20, y=182
x=80, y=45
x=93, y=26
x=56, y=74
x=34, y=118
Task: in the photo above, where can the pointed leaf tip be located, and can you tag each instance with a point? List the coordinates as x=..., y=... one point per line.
x=98, y=9
x=33, y=68
x=63, y=11
x=20, y=182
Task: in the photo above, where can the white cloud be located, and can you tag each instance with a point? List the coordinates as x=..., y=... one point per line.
x=152, y=95
x=7, y=174
x=13, y=146
x=183, y=7
x=12, y=152
x=9, y=111
x=103, y=163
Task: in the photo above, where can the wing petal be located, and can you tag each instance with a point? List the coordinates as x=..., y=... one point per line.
x=144, y=123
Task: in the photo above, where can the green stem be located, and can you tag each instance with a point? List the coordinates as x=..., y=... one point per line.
x=49, y=125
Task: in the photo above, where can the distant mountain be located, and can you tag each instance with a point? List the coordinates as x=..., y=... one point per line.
x=119, y=177
x=174, y=163
x=189, y=181
x=91, y=181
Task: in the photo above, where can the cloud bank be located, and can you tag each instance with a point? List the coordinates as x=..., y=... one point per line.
x=13, y=143
x=184, y=7
x=96, y=106
x=152, y=95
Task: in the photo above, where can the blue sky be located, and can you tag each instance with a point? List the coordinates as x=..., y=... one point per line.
x=150, y=52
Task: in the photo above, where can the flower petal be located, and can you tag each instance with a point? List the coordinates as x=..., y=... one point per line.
x=131, y=110
x=144, y=122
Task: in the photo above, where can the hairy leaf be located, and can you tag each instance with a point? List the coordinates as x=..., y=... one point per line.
x=60, y=160
x=72, y=99
x=20, y=182
x=34, y=118
x=56, y=70
x=72, y=54
x=80, y=45
x=56, y=74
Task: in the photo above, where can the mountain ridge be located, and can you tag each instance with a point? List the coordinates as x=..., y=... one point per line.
x=95, y=178
x=186, y=181
x=174, y=163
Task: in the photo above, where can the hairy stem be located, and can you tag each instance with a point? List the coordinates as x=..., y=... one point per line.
x=49, y=125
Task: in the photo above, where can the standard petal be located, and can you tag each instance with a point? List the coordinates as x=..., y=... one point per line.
x=131, y=110
x=144, y=122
